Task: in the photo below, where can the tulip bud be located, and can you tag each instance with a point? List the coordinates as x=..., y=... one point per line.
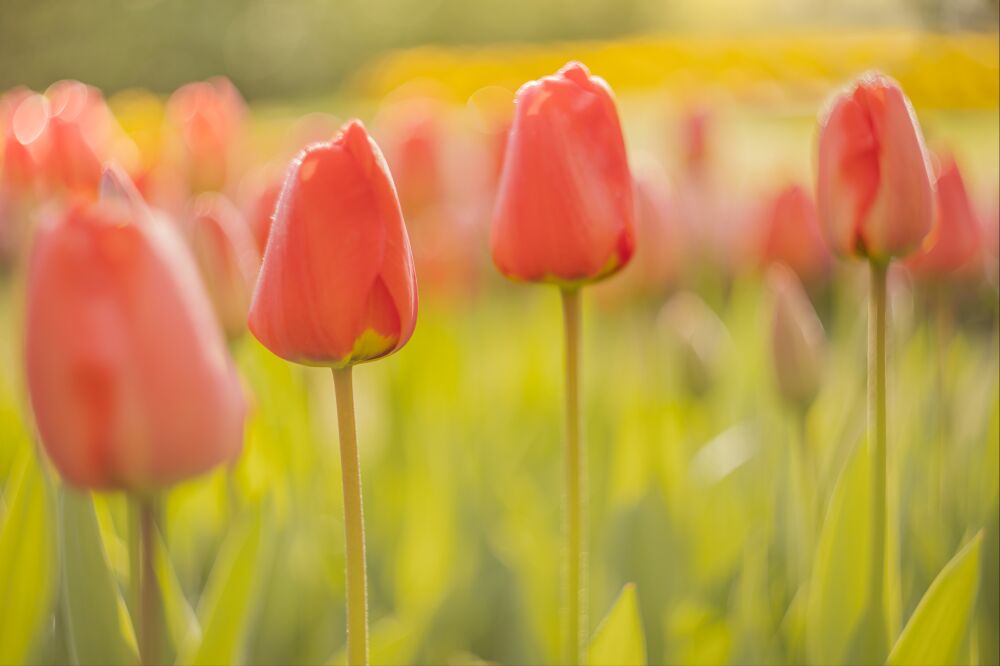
x=699, y=336
x=209, y=118
x=129, y=379
x=955, y=240
x=337, y=285
x=564, y=210
x=798, y=343
x=412, y=133
x=227, y=256
x=873, y=188
x=791, y=234
x=262, y=213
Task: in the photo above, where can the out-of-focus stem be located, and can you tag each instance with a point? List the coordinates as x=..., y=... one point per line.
x=877, y=459
x=575, y=608
x=149, y=598
x=354, y=522
x=134, y=557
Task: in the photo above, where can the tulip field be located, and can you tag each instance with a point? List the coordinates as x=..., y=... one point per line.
x=652, y=350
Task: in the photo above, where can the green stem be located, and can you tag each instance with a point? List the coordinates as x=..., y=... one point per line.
x=134, y=557
x=799, y=507
x=575, y=622
x=877, y=459
x=354, y=521
x=149, y=597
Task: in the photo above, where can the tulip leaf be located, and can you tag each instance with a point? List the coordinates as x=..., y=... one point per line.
x=619, y=639
x=181, y=621
x=26, y=560
x=98, y=631
x=230, y=597
x=941, y=620
x=837, y=590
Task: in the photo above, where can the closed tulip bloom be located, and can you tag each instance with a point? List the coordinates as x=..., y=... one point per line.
x=261, y=213
x=564, y=211
x=337, y=284
x=790, y=234
x=226, y=253
x=209, y=118
x=129, y=379
x=955, y=240
x=874, y=191
x=798, y=344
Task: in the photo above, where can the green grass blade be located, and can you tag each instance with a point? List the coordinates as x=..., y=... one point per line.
x=837, y=593
x=230, y=596
x=619, y=639
x=97, y=630
x=181, y=621
x=26, y=560
x=940, y=622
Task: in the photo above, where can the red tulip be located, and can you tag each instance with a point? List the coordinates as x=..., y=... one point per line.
x=337, y=285
x=564, y=210
x=128, y=375
x=227, y=256
x=209, y=117
x=874, y=192
x=412, y=131
x=790, y=234
x=66, y=135
x=696, y=128
x=262, y=213
x=955, y=240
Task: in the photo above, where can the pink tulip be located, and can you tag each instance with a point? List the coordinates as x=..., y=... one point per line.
x=129, y=379
x=790, y=234
x=227, y=255
x=208, y=116
x=874, y=192
x=955, y=241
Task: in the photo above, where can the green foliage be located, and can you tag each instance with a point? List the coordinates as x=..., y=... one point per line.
x=938, y=626
x=837, y=591
x=27, y=558
x=619, y=639
x=230, y=596
x=181, y=622
x=96, y=625
x=460, y=439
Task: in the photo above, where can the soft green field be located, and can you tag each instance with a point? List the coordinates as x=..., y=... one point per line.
x=699, y=501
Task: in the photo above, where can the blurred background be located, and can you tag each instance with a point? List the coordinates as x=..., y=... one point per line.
x=729, y=503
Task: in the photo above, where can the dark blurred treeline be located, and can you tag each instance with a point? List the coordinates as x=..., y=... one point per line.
x=277, y=48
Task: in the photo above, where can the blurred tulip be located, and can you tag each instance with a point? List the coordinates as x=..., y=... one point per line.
x=798, y=344
x=954, y=242
x=227, y=255
x=695, y=132
x=564, y=211
x=262, y=213
x=413, y=132
x=442, y=179
x=700, y=337
x=662, y=244
x=209, y=118
x=67, y=132
x=991, y=242
x=790, y=234
x=127, y=372
x=874, y=192
x=337, y=285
